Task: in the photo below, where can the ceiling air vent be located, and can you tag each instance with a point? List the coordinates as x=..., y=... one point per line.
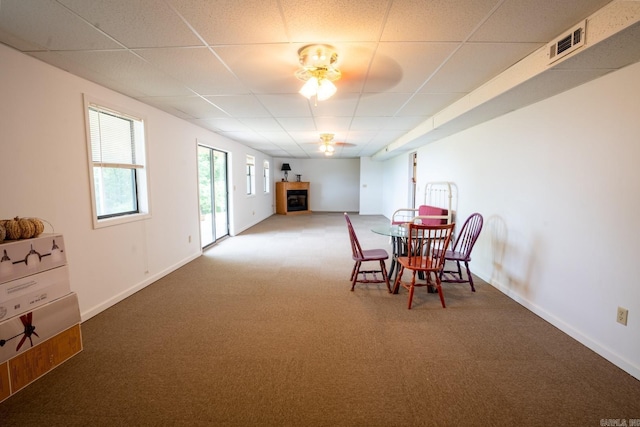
x=567, y=42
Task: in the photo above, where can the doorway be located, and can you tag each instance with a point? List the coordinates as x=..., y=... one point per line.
x=213, y=195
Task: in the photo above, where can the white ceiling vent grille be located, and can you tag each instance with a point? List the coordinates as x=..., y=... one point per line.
x=567, y=42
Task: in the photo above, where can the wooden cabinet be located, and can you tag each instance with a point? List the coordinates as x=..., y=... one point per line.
x=292, y=198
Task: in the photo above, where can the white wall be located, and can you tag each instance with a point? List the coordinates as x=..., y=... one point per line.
x=44, y=173
x=558, y=184
x=334, y=184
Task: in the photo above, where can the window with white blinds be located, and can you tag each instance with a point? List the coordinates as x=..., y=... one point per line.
x=266, y=176
x=251, y=175
x=117, y=157
x=113, y=139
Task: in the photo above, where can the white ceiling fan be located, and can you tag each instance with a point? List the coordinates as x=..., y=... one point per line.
x=328, y=145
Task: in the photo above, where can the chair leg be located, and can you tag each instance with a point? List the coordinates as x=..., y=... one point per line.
x=459, y=270
x=473, y=289
x=440, y=291
x=383, y=268
x=353, y=271
x=412, y=287
x=356, y=269
x=396, y=283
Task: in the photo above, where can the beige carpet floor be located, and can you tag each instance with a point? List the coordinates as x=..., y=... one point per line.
x=262, y=330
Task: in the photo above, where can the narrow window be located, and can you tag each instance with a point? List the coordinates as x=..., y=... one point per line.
x=266, y=176
x=251, y=175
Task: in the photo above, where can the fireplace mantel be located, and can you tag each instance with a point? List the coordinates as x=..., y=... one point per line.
x=290, y=199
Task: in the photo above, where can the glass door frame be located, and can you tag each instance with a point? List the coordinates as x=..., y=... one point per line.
x=214, y=224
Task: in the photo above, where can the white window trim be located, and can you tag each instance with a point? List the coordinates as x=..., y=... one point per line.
x=251, y=160
x=267, y=184
x=143, y=189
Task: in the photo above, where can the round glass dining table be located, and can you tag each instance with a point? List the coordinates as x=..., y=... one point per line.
x=398, y=234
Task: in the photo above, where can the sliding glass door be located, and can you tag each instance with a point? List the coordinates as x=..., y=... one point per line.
x=214, y=213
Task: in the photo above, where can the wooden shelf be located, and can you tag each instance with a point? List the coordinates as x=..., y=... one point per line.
x=282, y=188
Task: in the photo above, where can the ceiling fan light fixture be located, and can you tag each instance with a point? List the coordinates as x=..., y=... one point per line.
x=326, y=90
x=318, y=71
x=326, y=146
x=310, y=88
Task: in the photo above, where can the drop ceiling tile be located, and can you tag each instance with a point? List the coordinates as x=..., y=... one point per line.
x=444, y=21
x=136, y=24
x=294, y=124
x=48, y=25
x=205, y=75
x=305, y=136
x=485, y=59
x=364, y=123
x=404, y=67
x=234, y=22
x=248, y=138
x=193, y=106
x=334, y=20
x=278, y=137
x=296, y=153
x=265, y=68
x=286, y=105
x=240, y=105
x=332, y=124
x=130, y=71
x=262, y=124
x=226, y=124
x=517, y=21
x=381, y=104
x=354, y=60
x=340, y=104
x=61, y=60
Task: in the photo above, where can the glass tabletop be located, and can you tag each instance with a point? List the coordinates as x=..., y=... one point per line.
x=392, y=230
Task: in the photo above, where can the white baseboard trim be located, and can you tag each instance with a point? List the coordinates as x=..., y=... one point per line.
x=88, y=314
x=568, y=329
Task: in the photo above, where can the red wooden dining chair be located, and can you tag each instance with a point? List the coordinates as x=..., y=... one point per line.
x=424, y=255
x=461, y=252
x=359, y=256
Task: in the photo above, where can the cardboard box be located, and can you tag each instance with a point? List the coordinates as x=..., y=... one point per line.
x=37, y=361
x=22, y=258
x=22, y=295
x=20, y=333
x=5, y=387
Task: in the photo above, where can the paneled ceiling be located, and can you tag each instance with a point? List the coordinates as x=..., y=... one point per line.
x=228, y=65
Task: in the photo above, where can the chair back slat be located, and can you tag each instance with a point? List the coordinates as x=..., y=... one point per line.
x=469, y=234
x=426, y=243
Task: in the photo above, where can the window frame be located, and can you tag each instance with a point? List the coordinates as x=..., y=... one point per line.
x=266, y=176
x=251, y=175
x=141, y=170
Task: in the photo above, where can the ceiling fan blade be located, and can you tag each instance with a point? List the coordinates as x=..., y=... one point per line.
x=21, y=342
x=25, y=320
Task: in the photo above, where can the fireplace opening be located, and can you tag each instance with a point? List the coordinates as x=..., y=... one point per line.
x=296, y=200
